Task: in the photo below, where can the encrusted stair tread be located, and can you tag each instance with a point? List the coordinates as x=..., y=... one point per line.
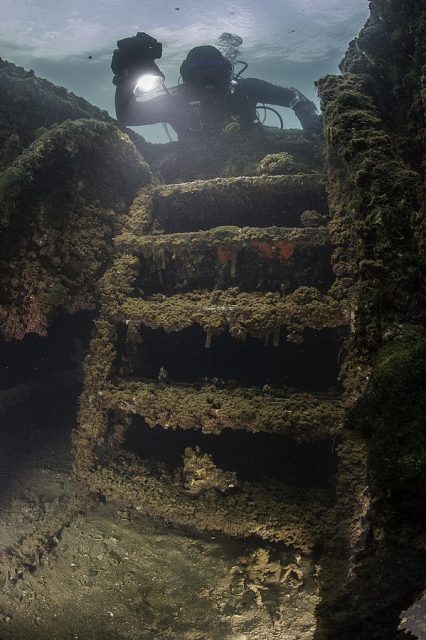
x=222, y=185
x=203, y=204
x=305, y=417
x=257, y=259
x=279, y=241
x=257, y=314
x=276, y=512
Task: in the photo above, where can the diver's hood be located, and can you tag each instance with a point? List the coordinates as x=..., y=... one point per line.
x=206, y=65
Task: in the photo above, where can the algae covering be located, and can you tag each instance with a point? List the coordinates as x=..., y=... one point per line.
x=62, y=201
x=267, y=151
x=30, y=104
x=374, y=123
x=268, y=258
x=268, y=509
x=242, y=314
x=247, y=243
x=303, y=416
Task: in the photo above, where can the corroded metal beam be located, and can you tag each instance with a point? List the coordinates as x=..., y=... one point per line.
x=278, y=512
x=256, y=314
x=303, y=416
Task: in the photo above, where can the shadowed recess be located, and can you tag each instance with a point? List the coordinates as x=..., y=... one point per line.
x=253, y=456
x=310, y=366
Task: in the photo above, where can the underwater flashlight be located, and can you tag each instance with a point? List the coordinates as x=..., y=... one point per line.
x=147, y=86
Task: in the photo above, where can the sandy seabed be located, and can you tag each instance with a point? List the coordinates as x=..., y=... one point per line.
x=115, y=574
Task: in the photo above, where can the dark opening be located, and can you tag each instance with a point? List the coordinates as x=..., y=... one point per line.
x=253, y=456
x=310, y=268
x=310, y=366
x=40, y=382
x=37, y=356
x=247, y=203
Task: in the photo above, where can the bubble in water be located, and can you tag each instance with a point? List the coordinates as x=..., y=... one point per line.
x=229, y=44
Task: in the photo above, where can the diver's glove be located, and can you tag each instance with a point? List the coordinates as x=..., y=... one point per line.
x=134, y=56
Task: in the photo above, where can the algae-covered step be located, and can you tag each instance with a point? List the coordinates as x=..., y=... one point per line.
x=305, y=417
x=261, y=315
x=271, y=511
x=242, y=201
x=270, y=258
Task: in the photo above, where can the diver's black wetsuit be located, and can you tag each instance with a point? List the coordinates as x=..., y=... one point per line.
x=208, y=98
x=208, y=113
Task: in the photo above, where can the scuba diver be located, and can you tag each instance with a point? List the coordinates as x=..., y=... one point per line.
x=211, y=99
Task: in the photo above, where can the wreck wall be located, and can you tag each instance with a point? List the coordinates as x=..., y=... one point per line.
x=30, y=104
x=68, y=174
x=375, y=130
x=61, y=202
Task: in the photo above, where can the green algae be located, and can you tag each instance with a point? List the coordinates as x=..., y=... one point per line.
x=376, y=198
x=241, y=201
x=236, y=237
x=257, y=314
x=39, y=103
x=106, y=408
x=279, y=164
x=374, y=127
x=304, y=417
x=391, y=414
x=68, y=144
x=231, y=255
x=238, y=155
x=58, y=233
x=278, y=513
x=31, y=105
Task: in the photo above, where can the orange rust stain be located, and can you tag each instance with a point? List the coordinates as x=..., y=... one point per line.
x=286, y=249
x=265, y=248
x=224, y=254
x=280, y=248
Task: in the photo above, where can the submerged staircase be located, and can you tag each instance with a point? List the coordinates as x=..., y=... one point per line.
x=211, y=397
